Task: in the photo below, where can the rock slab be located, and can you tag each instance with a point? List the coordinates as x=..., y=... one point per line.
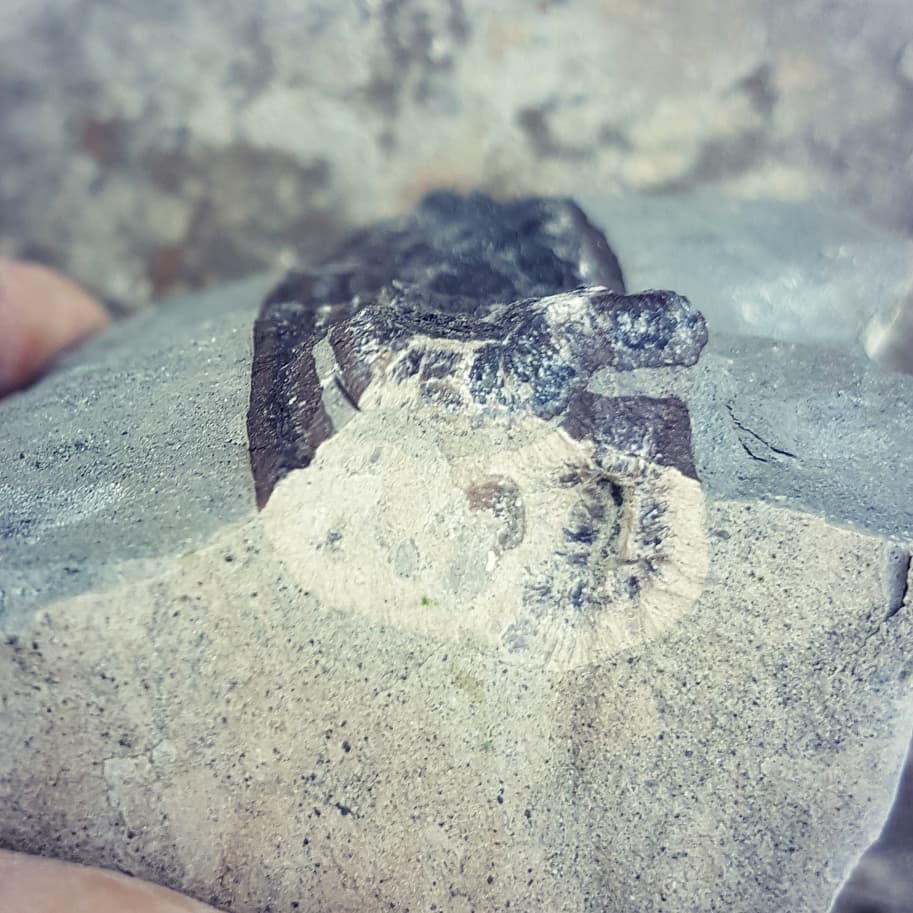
x=607, y=626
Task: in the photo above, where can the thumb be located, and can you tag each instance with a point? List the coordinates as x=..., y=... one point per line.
x=31, y=884
x=41, y=314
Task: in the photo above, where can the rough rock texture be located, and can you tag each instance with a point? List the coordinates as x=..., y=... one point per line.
x=157, y=399
x=316, y=704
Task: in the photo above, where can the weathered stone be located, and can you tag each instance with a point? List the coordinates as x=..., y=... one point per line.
x=418, y=676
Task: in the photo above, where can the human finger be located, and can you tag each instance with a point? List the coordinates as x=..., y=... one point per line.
x=33, y=884
x=41, y=314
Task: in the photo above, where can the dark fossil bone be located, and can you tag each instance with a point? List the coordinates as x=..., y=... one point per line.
x=490, y=306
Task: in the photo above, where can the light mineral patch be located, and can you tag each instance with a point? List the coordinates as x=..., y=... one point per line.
x=510, y=535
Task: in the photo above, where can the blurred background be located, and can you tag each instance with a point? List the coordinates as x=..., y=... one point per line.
x=154, y=148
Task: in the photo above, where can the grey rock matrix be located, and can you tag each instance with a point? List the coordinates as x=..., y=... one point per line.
x=457, y=577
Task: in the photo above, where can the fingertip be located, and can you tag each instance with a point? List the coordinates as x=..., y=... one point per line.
x=39, y=885
x=42, y=313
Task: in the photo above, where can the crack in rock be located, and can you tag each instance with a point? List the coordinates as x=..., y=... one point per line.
x=750, y=440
